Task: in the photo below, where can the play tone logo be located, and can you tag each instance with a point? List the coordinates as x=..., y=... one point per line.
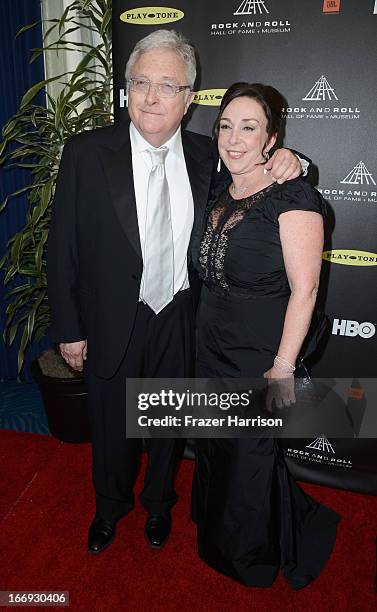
x=320, y=450
x=151, y=15
x=347, y=327
x=361, y=190
x=247, y=20
x=350, y=257
x=319, y=98
x=331, y=7
x=209, y=97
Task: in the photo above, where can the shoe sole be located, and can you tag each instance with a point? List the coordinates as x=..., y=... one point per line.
x=155, y=546
x=97, y=552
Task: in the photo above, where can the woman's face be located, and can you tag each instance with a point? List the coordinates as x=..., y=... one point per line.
x=243, y=136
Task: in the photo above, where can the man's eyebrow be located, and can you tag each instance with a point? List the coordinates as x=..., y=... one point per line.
x=163, y=78
x=169, y=78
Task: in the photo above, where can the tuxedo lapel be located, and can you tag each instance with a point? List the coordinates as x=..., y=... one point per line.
x=117, y=163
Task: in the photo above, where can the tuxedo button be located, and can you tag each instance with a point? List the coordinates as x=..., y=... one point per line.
x=135, y=276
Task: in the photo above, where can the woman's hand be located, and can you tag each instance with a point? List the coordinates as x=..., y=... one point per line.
x=281, y=388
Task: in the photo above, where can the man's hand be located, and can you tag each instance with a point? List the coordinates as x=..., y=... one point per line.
x=74, y=353
x=283, y=166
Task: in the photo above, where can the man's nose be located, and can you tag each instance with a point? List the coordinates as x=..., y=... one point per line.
x=151, y=95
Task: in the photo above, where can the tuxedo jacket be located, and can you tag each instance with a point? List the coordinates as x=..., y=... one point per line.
x=94, y=260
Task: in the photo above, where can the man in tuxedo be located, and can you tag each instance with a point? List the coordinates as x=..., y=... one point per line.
x=128, y=211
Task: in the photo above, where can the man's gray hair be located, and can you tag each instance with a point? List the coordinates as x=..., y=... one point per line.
x=166, y=39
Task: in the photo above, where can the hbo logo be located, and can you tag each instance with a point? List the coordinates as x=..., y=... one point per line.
x=353, y=328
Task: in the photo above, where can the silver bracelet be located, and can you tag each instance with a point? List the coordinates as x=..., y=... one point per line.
x=284, y=364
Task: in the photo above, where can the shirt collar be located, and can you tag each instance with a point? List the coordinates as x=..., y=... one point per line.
x=139, y=144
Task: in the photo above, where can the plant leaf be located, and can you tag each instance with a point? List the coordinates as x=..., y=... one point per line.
x=63, y=18
x=21, y=352
x=32, y=92
x=27, y=27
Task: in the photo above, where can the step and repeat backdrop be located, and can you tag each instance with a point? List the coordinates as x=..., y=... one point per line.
x=321, y=55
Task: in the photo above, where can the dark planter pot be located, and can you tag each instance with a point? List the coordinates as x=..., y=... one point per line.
x=65, y=402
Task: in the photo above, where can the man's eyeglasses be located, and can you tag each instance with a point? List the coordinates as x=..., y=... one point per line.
x=164, y=90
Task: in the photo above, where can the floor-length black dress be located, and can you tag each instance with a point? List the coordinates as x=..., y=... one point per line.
x=252, y=517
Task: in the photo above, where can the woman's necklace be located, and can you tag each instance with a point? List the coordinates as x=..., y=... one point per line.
x=239, y=190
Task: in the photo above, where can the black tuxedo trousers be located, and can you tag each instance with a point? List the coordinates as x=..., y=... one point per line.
x=161, y=346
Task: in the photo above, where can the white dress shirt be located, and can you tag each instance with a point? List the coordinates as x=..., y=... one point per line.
x=181, y=200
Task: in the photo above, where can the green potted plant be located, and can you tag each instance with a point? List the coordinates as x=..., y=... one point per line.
x=33, y=138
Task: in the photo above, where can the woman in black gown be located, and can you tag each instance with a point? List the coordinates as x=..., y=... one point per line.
x=260, y=260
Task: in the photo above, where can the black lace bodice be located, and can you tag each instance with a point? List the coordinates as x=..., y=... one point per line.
x=224, y=216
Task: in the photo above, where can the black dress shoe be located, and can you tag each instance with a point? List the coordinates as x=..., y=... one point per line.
x=157, y=530
x=101, y=534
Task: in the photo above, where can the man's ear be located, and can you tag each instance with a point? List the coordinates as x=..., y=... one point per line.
x=189, y=99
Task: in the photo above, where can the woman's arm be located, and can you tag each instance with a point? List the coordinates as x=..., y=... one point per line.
x=301, y=235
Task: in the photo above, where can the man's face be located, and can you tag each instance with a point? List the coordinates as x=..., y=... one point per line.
x=156, y=118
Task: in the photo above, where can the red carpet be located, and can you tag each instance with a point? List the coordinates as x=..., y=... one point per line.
x=46, y=506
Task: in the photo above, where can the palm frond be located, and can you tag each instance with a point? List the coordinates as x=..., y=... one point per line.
x=33, y=138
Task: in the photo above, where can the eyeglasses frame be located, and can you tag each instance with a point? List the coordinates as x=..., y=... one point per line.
x=178, y=88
